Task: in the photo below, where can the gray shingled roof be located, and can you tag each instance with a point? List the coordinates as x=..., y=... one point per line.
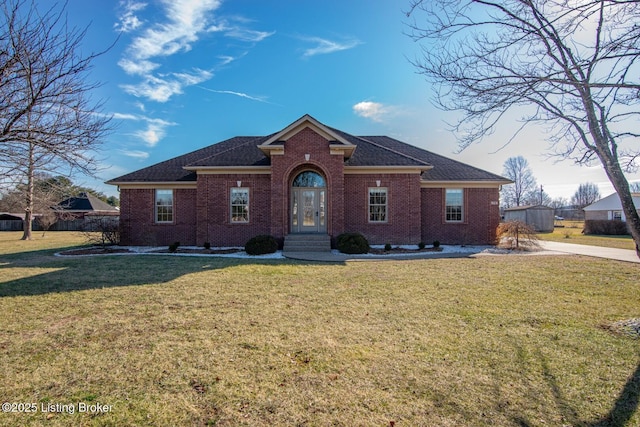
x=85, y=202
x=444, y=168
x=370, y=151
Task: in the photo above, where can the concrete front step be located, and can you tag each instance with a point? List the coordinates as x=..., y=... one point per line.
x=307, y=243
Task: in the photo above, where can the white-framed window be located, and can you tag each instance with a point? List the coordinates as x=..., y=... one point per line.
x=164, y=206
x=454, y=202
x=239, y=201
x=617, y=215
x=378, y=204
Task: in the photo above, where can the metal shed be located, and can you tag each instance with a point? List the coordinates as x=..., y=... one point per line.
x=539, y=217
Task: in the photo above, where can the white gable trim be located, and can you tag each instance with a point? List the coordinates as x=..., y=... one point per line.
x=344, y=147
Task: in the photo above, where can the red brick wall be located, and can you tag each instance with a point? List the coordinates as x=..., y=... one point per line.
x=284, y=169
x=214, y=211
x=403, y=208
x=203, y=214
x=137, y=222
x=481, y=217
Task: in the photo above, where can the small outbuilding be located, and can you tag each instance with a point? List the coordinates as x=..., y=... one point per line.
x=540, y=218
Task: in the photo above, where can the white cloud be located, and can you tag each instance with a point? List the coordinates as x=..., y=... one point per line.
x=155, y=131
x=125, y=116
x=324, y=46
x=162, y=89
x=155, y=128
x=247, y=35
x=182, y=23
x=235, y=28
x=371, y=110
x=128, y=21
x=186, y=19
x=140, y=67
x=137, y=154
x=240, y=94
x=151, y=135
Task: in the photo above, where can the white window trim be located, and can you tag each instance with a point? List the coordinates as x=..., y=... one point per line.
x=156, y=206
x=386, y=205
x=462, y=210
x=231, y=205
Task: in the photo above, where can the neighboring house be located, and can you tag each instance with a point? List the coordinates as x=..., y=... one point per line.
x=609, y=208
x=76, y=213
x=308, y=178
x=83, y=212
x=540, y=218
x=86, y=204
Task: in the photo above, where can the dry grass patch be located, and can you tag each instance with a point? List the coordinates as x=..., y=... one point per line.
x=493, y=341
x=571, y=232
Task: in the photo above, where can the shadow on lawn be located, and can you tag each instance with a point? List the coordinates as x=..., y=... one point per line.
x=626, y=404
x=623, y=409
x=48, y=274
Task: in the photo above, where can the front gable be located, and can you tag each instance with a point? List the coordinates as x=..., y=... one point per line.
x=275, y=145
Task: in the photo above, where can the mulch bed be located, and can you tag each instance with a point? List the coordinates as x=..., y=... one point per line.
x=377, y=251
x=111, y=250
x=198, y=251
x=97, y=251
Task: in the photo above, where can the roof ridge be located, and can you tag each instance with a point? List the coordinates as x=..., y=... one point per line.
x=363, y=138
x=233, y=147
x=439, y=155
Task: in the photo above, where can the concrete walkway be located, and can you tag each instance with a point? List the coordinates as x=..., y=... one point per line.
x=593, y=251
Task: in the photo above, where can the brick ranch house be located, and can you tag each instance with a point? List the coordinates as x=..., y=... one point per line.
x=308, y=178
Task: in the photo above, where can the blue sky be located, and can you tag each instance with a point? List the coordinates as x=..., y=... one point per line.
x=184, y=74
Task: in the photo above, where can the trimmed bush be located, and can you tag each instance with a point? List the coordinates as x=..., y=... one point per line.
x=387, y=247
x=421, y=245
x=605, y=227
x=436, y=244
x=352, y=243
x=174, y=247
x=260, y=245
x=207, y=245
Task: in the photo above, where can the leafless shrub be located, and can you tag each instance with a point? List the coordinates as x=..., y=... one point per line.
x=517, y=235
x=102, y=231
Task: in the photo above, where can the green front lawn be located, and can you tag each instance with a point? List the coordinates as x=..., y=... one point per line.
x=165, y=340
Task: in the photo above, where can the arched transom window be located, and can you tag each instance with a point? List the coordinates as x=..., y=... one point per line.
x=309, y=179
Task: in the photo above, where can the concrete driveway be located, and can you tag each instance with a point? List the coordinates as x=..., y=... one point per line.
x=594, y=251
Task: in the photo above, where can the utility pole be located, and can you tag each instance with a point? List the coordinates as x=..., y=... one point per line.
x=541, y=190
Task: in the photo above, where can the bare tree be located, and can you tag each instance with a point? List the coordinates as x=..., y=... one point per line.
x=524, y=183
x=585, y=195
x=559, y=203
x=571, y=66
x=48, y=122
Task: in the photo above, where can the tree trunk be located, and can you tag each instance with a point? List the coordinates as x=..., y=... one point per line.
x=28, y=210
x=621, y=185
x=606, y=149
